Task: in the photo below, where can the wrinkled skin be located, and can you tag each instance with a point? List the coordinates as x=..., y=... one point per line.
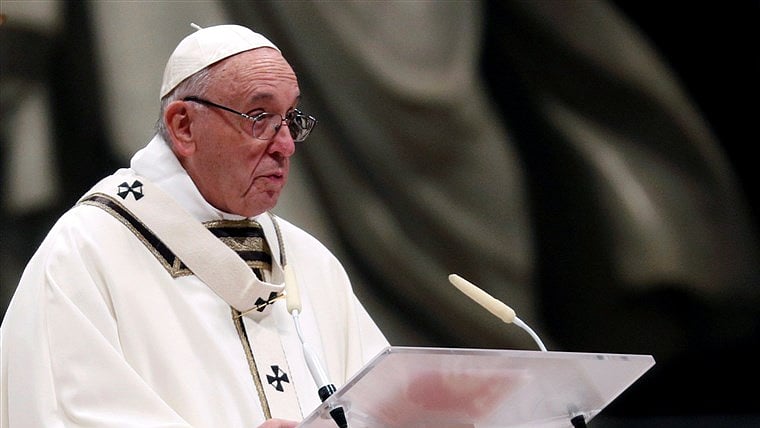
x=235, y=172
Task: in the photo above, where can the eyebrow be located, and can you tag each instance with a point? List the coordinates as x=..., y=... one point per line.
x=265, y=96
x=262, y=96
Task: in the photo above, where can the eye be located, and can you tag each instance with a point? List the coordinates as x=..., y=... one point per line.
x=256, y=112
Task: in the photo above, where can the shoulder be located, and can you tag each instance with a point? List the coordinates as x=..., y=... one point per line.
x=75, y=255
x=81, y=230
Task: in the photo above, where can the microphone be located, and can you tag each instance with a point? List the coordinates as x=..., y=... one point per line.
x=493, y=305
x=326, y=389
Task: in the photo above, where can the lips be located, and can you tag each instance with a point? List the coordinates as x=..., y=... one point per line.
x=274, y=175
x=267, y=180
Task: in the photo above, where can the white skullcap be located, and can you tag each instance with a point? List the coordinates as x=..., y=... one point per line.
x=205, y=47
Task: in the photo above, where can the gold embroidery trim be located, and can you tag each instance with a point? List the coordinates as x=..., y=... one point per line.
x=240, y=327
x=173, y=269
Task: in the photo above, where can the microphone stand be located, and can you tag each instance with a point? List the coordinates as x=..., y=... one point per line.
x=578, y=421
x=293, y=303
x=326, y=389
x=506, y=314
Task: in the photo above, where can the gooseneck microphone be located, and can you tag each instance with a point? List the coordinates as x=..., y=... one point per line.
x=326, y=389
x=493, y=305
x=293, y=304
x=506, y=314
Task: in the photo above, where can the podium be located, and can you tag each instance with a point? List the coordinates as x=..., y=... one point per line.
x=419, y=387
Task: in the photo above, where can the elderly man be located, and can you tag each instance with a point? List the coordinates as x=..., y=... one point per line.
x=160, y=298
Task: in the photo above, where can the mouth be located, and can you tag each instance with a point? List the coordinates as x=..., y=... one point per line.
x=266, y=182
x=272, y=176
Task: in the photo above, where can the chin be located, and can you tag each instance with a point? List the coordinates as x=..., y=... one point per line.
x=259, y=207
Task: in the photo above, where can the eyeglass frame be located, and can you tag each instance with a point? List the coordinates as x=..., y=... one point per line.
x=288, y=118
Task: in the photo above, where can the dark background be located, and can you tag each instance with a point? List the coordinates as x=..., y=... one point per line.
x=712, y=48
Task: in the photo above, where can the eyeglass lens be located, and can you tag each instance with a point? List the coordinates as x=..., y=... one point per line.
x=300, y=126
x=266, y=126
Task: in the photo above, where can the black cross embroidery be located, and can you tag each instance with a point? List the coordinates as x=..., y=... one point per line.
x=261, y=304
x=278, y=378
x=135, y=189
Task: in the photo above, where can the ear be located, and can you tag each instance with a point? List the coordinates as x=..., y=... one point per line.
x=178, y=118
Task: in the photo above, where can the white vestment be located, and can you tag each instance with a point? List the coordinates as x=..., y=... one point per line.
x=101, y=334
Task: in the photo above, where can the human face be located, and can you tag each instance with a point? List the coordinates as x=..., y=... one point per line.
x=234, y=171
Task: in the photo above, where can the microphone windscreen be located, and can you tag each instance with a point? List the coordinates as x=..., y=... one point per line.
x=292, y=298
x=495, y=306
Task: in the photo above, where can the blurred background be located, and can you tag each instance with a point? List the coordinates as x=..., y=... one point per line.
x=590, y=163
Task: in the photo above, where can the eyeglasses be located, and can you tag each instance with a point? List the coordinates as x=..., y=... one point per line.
x=264, y=126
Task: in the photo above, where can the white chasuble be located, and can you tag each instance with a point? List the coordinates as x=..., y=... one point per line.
x=110, y=327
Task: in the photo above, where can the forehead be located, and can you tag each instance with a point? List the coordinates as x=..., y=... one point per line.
x=258, y=74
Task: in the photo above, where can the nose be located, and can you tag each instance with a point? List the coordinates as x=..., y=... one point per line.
x=282, y=142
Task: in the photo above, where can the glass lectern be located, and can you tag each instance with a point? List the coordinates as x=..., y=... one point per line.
x=417, y=387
